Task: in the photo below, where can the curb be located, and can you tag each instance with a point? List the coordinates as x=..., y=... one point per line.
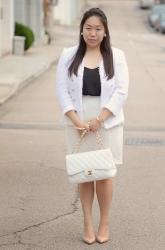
x=23, y=83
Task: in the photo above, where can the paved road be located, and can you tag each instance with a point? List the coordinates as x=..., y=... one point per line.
x=39, y=209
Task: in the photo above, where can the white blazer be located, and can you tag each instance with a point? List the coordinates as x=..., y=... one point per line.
x=113, y=92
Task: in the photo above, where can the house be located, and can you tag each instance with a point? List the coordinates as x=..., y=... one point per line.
x=6, y=26
x=32, y=14
x=28, y=12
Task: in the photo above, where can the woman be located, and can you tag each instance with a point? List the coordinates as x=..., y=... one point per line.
x=92, y=86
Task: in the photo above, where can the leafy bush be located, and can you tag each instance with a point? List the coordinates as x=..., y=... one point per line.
x=23, y=30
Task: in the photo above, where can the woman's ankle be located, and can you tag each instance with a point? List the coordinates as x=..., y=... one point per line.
x=103, y=229
x=104, y=222
x=88, y=225
x=89, y=233
x=88, y=220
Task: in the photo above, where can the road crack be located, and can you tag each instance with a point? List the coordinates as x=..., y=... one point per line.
x=17, y=234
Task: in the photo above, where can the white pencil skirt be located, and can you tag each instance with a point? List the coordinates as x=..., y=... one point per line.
x=112, y=138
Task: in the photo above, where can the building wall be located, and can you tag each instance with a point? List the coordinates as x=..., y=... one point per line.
x=67, y=11
x=35, y=19
x=81, y=5
x=30, y=13
x=20, y=11
x=6, y=26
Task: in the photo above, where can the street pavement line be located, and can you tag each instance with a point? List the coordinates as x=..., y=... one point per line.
x=59, y=126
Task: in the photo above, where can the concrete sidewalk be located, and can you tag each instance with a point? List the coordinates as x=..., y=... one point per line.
x=17, y=71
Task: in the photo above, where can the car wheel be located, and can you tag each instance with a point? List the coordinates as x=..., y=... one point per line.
x=162, y=31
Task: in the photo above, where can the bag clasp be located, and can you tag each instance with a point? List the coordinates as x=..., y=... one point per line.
x=88, y=172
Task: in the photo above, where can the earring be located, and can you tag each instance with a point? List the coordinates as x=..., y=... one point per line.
x=105, y=35
x=81, y=33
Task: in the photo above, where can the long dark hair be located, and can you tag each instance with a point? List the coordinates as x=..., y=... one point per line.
x=105, y=46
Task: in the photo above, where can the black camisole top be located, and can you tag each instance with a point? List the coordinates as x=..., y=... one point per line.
x=91, y=82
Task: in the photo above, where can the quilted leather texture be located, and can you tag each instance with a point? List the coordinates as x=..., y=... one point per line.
x=90, y=166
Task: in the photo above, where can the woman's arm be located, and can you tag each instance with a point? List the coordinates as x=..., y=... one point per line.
x=104, y=115
x=63, y=95
x=96, y=122
x=72, y=115
x=120, y=94
x=116, y=102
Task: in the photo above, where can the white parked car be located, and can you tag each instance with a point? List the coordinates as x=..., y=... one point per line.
x=145, y=4
x=156, y=11
x=160, y=23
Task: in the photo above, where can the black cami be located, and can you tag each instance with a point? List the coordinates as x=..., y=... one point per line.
x=91, y=82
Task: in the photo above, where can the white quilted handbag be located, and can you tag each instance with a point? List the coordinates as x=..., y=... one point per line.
x=91, y=165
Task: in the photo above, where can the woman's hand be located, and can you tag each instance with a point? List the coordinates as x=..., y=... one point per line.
x=94, y=125
x=81, y=126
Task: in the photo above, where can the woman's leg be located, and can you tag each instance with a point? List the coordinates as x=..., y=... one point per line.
x=86, y=191
x=104, y=191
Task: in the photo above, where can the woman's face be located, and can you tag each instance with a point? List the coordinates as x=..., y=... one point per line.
x=93, y=31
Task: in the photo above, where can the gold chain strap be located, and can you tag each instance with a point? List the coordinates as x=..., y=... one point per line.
x=99, y=140
x=77, y=146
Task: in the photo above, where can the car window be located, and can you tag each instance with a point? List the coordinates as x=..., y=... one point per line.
x=158, y=8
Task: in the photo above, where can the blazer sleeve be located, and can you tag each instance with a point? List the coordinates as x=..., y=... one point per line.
x=121, y=75
x=63, y=95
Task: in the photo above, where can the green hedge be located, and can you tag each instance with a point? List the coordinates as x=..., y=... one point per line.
x=22, y=30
